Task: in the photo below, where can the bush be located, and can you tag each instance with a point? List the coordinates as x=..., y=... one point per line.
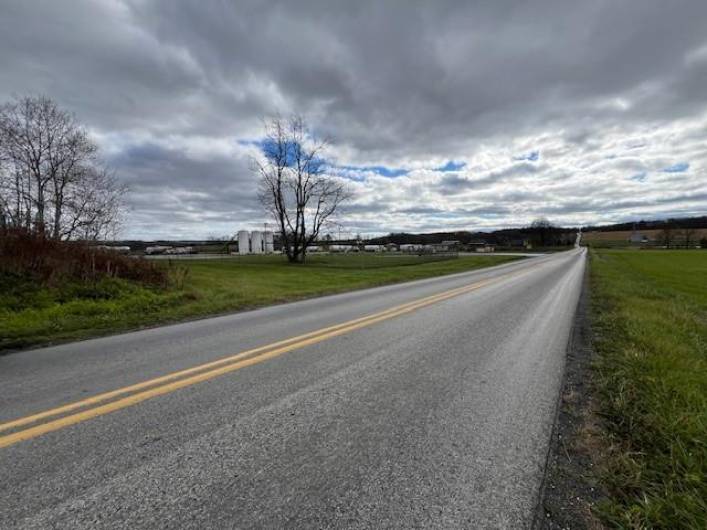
x=51, y=262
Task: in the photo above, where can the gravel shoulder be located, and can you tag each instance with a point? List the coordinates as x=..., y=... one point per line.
x=569, y=490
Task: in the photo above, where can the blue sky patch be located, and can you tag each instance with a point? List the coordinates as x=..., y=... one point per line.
x=451, y=166
x=533, y=156
x=680, y=167
x=346, y=173
x=270, y=149
x=639, y=177
x=383, y=171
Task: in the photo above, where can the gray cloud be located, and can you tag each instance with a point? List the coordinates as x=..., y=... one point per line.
x=453, y=183
x=603, y=89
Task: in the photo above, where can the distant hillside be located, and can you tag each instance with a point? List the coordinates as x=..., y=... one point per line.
x=652, y=236
x=510, y=237
x=550, y=236
x=684, y=222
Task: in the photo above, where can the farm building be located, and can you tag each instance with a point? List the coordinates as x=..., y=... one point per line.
x=452, y=244
x=480, y=245
x=157, y=249
x=255, y=242
x=180, y=250
x=409, y=247
x=520, y=243
x=638, y=238
x=343, y=248
x=113, y=248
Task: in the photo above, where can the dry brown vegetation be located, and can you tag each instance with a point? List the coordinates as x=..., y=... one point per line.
x=49, y=261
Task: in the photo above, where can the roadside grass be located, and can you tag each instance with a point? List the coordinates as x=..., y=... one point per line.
x=650, y=320
x=353, y=260
x=33, y=315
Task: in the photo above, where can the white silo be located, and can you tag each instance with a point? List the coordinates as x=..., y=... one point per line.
x=268, y=242
x=243, y=242
x=256, y=242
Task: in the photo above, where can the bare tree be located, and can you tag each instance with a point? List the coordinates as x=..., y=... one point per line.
x=667, y=235
x=96, y=212
x=294, y=187
x=688, y=234
x=51, y=181
x=542, y=227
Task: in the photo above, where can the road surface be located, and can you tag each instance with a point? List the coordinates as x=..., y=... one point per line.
x=421, y=405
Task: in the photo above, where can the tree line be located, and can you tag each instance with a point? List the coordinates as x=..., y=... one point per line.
x=52, y=182
x=539, y=233
x=671, y=223
x=672, y=236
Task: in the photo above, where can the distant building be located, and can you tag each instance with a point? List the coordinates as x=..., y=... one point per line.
x=520, y=243
x=637, y=238
x=479, y=245
x=410, y=247
x=342, y=248
x=157, y=249
x=374, y=248
x=452, y=244
x=255, y=242
x=113, y=248
x=444, y=246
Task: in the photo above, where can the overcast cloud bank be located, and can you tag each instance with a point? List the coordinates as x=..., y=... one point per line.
x=442, y=115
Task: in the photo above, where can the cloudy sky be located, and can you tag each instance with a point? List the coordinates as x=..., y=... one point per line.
x=442, y=115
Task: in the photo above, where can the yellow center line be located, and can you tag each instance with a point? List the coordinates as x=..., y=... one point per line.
x=212, y=369
x=99, y=398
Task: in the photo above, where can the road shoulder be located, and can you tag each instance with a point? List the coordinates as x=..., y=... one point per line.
x=569, y=489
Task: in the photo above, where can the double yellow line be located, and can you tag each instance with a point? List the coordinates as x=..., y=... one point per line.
x=105, y=403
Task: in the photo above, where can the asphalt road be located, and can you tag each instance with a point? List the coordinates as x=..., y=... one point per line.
x=434, y=414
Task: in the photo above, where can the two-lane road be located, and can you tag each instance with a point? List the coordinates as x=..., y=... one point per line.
x=421, y=405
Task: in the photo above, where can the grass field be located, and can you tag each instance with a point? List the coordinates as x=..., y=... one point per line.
x=32, y=315
x=650, y=317
x=357, y=260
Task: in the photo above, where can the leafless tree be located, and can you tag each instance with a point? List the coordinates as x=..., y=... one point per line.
x=667, y=235
x=688, y=235
x=51, y=181
x=542, y=227
x=294, y=188
x=96, y=212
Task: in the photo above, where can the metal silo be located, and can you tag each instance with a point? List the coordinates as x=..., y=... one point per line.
x=268, y=242
x=256, y=242
x=243, y=242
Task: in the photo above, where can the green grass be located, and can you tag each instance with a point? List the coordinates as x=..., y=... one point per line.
x=354, y=260
x=650, y=318
x=32, y=315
